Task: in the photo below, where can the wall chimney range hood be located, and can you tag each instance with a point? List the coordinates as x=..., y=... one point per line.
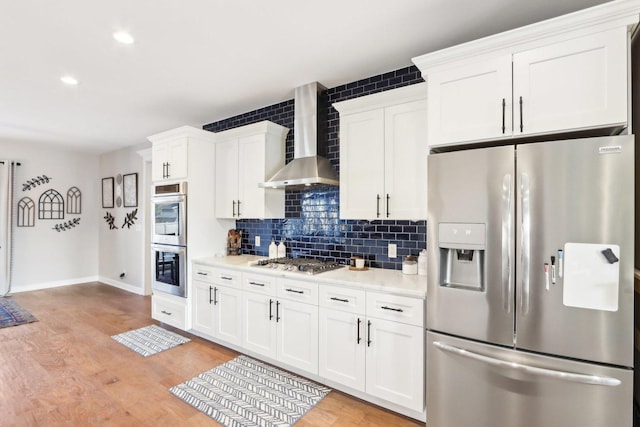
x=308, y=166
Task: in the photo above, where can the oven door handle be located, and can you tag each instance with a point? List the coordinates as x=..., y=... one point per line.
x=168, y=248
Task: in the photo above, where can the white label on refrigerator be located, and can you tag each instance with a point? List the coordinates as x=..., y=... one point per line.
x=590, y=279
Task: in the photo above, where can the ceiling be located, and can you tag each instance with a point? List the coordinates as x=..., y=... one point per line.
x=198, y=61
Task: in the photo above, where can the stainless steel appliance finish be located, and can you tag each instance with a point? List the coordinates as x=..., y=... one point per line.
x=169, y=269
x=302, y=265
x=169, y=219
x=496, y=217
x=308, y=167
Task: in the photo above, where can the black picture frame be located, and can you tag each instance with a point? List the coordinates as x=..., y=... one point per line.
x=107, y=192
x=130, y=190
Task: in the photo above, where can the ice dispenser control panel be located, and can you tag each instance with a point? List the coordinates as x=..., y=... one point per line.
x=462, y=255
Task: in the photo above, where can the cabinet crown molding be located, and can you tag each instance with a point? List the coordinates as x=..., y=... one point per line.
x=182, y=132
x=401, y=95
x=598, y=18
x=265, y=127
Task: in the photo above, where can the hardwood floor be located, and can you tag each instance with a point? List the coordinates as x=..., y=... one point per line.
x=65, y=370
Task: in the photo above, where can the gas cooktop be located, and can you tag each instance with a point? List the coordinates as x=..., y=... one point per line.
x=302, y=265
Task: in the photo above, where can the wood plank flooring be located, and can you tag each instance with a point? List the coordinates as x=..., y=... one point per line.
x=65, y=370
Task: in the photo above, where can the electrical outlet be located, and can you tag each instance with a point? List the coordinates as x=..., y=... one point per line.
x=392, y=251
x=257, y=240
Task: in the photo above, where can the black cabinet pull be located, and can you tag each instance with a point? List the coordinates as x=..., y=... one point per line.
x=359, y=339
x=503, y=113
x=210, y=299
x=166, y=312
x=226, y=278
x=399, y=310
x=234, y=207
x=277, y=311
x=256, y=284
x=295, y=291
x=270, y=312
x=339, y=299
x=215, y=296
x=168, y=175
x=238, y=208
x=164, y=170
x=368, y=333
x=377, y=206
x=202, y=274
x=388, y=205
x=521, y=125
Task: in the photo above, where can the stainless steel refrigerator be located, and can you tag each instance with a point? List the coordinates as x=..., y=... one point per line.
x=530, y=285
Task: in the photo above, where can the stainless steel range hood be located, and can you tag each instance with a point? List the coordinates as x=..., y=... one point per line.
x=308, y=166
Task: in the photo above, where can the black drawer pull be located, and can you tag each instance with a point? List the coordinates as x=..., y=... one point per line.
x=166, y=312
x=226, y=278
x=339, y=299
x=256, y=284
x=202, y=274
x=399, y=310
x=295, y=291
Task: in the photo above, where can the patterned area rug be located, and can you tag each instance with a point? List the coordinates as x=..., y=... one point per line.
x=11, y=314
x=150, y=340
x=244, y=392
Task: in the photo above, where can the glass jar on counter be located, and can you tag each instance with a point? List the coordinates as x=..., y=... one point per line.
x=410, y=265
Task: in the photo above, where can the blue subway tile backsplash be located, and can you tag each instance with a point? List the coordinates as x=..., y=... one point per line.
x=312, y=227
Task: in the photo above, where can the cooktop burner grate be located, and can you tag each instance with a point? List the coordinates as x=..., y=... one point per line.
x=303, y=265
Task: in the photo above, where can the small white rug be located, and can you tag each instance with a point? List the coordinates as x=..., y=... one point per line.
x=244, y=392
x=150, y=340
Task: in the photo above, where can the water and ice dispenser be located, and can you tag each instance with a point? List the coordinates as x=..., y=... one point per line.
x=462, y=250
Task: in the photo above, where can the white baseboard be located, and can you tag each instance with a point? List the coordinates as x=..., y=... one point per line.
x=54, y=284
x=122, y=285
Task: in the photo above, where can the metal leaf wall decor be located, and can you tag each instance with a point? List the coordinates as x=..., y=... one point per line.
x=130, y=219
x=67, y=225
x=110, y=220
x=34, y=182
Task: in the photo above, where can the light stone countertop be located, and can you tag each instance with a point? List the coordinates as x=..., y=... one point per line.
x=376, y=279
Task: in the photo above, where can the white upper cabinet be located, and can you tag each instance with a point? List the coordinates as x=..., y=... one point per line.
x=383, y=149
x=245, y=157
x=563, y=75
x=171, y=150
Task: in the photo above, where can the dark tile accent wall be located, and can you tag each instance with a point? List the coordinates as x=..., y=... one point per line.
x=311, y=227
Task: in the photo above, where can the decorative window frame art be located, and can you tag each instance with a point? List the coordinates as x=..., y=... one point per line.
x=107, y=192
x=130, y=190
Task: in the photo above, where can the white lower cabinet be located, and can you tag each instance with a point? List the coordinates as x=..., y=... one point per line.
x=382, y=358
x=259, y=324
x=297, y=335
x=217, y=304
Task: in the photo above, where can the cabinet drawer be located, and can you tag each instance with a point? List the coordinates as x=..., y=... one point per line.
x=218, y=276
x=296, y=290
x=396, y=308
x=168, y=311
x=343, y=299
x=258, y=283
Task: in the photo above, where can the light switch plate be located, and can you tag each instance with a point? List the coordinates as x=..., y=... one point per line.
x=257, y=240
x=392, y=251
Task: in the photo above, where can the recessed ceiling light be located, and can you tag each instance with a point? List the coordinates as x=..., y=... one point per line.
x=70, y=80
x=123, y=37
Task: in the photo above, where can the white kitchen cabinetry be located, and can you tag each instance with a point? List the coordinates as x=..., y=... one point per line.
x=380, y=350
x=281, y=320
x=245, y=157
x=383, y=152
x=217, y=303
x=542, y=79
x=169, y=159
x=169, y=309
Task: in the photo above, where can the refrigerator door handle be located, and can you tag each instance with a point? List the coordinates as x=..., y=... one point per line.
x=507, y=283
x=533, y=370
x=525, y=241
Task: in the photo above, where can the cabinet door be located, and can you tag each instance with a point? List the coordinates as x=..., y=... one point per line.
x=298, y=335
x=580, y=83
x=226, y=185
x=228, y=314
x=159, y=156
x=259, y=324
x=362, y=165
x=251, y=154
x=395, y=363
x=342, y=348
x=202, y=307
x=177, y=161
x=470, y=102
x=405, y=161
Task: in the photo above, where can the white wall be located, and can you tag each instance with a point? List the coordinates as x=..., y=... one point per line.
x=44, y=257
x=123, y=250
